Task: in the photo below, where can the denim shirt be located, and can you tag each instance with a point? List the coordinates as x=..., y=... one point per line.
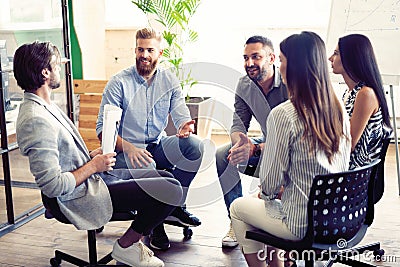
x=145, y=108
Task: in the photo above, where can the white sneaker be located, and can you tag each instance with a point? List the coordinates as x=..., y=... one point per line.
x=229, y=240
x=137, y=255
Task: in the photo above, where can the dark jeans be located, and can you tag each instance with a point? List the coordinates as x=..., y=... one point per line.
x=153, y=194
x=180, y=156
x=228, y=174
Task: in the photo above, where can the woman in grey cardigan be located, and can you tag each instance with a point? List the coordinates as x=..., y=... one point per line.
x=79, y=186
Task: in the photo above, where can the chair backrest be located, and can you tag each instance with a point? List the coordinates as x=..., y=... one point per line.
x=338, y=205
x=379, y=180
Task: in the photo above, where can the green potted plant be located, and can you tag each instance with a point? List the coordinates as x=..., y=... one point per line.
x=174, y=17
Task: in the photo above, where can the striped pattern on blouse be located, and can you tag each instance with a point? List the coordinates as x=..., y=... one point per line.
x=288, y=160
x=369, y=147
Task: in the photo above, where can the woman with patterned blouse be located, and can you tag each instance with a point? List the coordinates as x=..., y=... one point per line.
x=365, y=100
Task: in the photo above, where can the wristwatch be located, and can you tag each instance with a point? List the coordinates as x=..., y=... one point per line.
x=257, y=150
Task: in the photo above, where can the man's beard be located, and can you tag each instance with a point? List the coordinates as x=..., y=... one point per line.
x=262, y=72
x=54, y=84
x=145, y=70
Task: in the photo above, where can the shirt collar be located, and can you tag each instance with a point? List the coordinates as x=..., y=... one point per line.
x=277, y=77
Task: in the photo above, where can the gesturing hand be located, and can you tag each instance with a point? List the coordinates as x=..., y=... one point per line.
x=185, y=129
x=240, y=152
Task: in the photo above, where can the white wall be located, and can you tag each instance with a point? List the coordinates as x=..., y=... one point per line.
x=222, y=32
x=89, y=25
x=106, y=29
x=224, y=26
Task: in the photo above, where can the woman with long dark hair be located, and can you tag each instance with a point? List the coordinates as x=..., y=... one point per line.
x=365, y=101
x=309, y=134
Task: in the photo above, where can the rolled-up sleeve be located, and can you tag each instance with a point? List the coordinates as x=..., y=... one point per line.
x=241, y=116
x=179, y=110
x=37, y=139
x=112, y=94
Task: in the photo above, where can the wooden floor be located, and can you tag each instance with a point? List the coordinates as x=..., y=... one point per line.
x=33, y=244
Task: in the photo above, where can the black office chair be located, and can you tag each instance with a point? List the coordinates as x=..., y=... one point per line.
x=380, y=172
x=340, y=209
x=59, y=256
x=51, y=209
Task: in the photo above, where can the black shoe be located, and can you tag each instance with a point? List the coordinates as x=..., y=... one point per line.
x=182, y=216
x=159, y=239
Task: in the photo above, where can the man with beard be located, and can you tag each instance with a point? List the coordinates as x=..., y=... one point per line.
x=79, y=186
x=256, y=94
x=147, y=94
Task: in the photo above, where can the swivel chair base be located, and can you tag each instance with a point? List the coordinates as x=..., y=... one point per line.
x=61, y=256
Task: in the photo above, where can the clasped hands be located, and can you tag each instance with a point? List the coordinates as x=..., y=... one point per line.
x=241, y=151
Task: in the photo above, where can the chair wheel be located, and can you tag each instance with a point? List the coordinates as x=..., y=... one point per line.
x=378, y=254
x=54, y=262
x=99, y=230
x=187, y=232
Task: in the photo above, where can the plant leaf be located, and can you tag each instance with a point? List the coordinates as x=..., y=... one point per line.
x=174, y=16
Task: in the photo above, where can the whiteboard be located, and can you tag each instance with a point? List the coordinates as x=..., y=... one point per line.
x=377, y=19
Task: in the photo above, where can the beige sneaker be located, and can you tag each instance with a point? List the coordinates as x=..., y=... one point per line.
x=136, y=255
x=229, y=241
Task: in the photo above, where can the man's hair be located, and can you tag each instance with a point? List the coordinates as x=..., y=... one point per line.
x=30, y=60
x=260, y=39
x=148, y=33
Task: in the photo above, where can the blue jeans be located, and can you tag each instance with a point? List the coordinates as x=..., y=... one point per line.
x=228, y=175
x=180, y=156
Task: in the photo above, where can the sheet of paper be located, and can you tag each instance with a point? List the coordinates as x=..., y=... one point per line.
x=111, y=120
